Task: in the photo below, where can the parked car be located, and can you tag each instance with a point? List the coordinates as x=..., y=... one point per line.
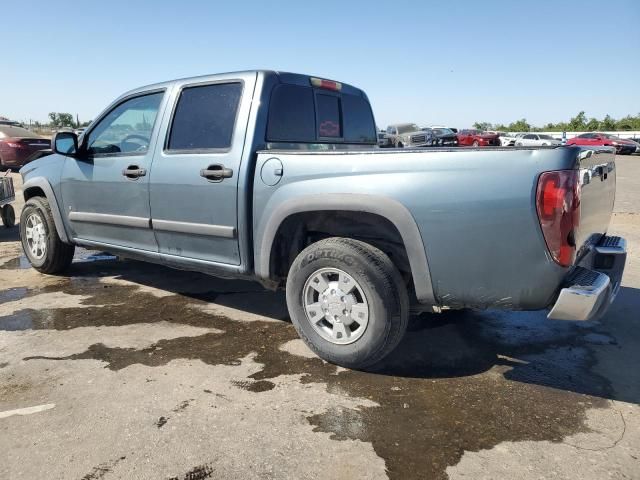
x=18, y=144
x=536, y=139
x=445, y=137
x=409, y=135
x=637, y=141
x=454, y=130
x=622, y=146
x=357, y=236
x=383, y=140
x=506, y=139
x=477, y=138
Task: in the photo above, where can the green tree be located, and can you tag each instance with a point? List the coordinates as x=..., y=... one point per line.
x=482, y=126
x=578, y=123
x=608, y=123
x=60, y=120
x=519, y=126
x=593, y=124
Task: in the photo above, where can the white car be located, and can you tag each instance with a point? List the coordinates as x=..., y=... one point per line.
x=506, y=139
x=536, y=140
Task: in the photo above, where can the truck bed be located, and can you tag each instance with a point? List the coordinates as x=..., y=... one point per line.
x=474, y=207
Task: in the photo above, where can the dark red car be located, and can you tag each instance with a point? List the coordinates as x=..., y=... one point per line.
x=477, y=138
x=17, y=145
x=623, y=147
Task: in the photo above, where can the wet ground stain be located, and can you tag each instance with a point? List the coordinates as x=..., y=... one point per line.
x=201, y=472
x=459, y=382
x=101, y=470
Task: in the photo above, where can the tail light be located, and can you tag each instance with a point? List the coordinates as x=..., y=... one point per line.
x=558, y=206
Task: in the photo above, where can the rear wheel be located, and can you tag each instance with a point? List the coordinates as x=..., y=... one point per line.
x=8, y=216
x=40, y=240
x=347, y=301
x=399, y=145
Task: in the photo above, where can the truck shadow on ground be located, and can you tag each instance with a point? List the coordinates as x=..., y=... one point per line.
x=525, y=346
x=9, y=234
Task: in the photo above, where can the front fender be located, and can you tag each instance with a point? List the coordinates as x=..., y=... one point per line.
x=386, y=207
x=43, y=184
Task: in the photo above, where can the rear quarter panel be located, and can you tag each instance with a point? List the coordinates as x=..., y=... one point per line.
x=475, y=210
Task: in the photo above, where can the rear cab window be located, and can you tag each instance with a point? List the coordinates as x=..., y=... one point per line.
x=306, y=114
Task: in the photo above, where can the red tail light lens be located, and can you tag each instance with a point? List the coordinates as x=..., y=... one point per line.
x=558, y=206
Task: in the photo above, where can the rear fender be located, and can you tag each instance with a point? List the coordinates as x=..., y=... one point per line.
x=386, y=207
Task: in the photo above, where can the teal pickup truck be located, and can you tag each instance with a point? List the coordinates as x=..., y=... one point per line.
x=277, y=177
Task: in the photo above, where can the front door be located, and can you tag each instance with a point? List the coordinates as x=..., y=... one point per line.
x=105, y=193
x=194, y=178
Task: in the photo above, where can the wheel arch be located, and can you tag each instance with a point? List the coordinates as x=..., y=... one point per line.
x=388, y=208
x=40, y=187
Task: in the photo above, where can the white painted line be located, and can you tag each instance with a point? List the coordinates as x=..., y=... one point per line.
x=27, y=411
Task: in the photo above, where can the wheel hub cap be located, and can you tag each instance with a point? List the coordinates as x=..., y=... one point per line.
x=36, y=236
x=335, y=305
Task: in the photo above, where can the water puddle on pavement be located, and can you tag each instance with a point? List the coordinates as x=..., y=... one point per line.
x=458, y=382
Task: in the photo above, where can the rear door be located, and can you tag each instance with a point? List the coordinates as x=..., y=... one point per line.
x=194, y=178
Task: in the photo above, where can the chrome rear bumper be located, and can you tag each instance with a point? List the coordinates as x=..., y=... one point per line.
x=593, y=284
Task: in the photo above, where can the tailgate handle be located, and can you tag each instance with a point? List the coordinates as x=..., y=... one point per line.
x=216, y=173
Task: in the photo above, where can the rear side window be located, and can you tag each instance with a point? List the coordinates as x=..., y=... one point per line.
x=291, y=115
x=300, y=114
x=205, y=117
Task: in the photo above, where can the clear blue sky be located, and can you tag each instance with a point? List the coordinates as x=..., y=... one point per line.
x=425, y=62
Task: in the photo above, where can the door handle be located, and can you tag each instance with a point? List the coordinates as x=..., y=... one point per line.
x=216, y=173
x=133, y=172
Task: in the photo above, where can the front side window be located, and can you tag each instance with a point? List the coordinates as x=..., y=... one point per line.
x=205, y=117
x=127, y=128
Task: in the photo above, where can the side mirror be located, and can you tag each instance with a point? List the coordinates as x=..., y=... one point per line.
x=65, y=143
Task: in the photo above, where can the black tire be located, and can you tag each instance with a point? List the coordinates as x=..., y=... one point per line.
x=382, y=285
x=58, y=255
x=399, y=145
x=8, y=216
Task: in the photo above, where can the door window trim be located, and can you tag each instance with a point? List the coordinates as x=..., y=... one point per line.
x=95, y=123
x=201, y=151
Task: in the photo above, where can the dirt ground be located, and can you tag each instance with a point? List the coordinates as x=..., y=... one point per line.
x=128, y=370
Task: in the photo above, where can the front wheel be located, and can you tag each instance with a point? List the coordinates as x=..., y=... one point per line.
x=40, y=240
x=347, y=301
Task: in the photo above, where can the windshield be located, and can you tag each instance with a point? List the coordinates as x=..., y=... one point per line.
x=613, y=137
x=443, y=131
x=411, y=127
x=546, y=137
x=11, y=131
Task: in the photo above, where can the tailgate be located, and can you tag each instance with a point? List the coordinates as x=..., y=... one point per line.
x=598, y=188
